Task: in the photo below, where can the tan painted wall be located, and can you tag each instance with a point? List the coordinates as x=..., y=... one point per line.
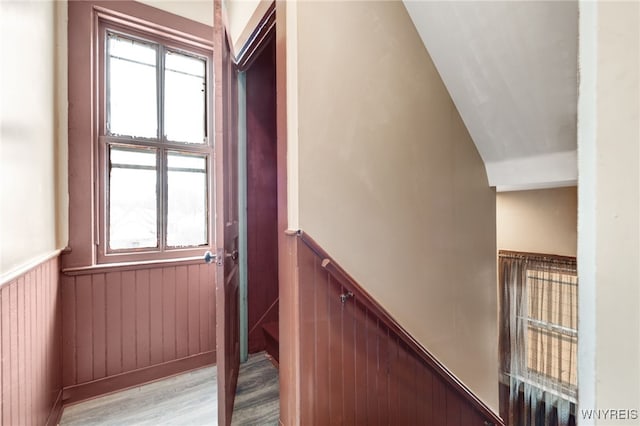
x=391, y=184
x=32, y=218
x=540, y=221
x=609, y=209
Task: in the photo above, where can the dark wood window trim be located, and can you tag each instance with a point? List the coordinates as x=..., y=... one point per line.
x=86, y=197
x=537, y=256
x=131, y=266
x=258, y=39
x=164, y=43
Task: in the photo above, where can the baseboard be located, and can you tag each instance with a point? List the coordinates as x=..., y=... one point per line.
x=273, y=361
x=272, y=340
x=84, y=391
x=56, y=411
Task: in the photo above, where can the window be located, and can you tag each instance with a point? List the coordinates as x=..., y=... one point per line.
x=538, y=336
x=552, y=328
x=155, y=152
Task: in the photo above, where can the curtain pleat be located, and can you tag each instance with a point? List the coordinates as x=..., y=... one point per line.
x=538, y=338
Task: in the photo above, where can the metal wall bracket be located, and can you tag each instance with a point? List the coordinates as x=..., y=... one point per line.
x=345, y=296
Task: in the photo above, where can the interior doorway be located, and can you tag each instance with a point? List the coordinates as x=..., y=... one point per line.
x=261, y=250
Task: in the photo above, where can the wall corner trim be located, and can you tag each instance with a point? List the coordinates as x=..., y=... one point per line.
x=56, y=411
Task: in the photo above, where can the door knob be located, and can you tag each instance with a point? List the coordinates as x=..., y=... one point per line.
x=212, y=257
x=209, y=257
x=233, y=255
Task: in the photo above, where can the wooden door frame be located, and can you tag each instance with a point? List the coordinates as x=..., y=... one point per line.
x=289, y=318
x=268, y=15
x=263, y=21
x=242, y=215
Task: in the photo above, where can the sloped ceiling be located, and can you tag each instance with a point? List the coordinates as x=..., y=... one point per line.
x=511, y=69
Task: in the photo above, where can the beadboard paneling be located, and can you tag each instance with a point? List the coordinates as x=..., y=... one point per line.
x=30, y=345
x=122, y=321
x=358, y=366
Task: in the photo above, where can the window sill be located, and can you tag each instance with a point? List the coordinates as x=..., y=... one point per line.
x=131, y=266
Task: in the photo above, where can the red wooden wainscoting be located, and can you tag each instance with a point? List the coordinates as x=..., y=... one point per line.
x=358, y=366
x=125, y=327
x=30, y=375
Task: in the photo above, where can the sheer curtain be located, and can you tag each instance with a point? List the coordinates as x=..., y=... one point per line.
x=538, y=337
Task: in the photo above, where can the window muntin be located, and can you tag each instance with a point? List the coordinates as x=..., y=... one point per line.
x=160, y=210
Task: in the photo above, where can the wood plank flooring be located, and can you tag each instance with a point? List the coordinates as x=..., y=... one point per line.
x=258, y=393
x=187, y=399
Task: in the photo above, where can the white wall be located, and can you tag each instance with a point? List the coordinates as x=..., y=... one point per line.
x=33, y=136
x=197, y=10
x=391, y=184
x=32, y=219
x=62, y=124
x=239, y=13
x=609, y=210
x=511, y=68
x=538, y=221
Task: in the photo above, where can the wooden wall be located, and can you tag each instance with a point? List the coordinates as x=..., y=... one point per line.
x=127, y=321
x=30, y=345
x=359, y=367
x=262, y=214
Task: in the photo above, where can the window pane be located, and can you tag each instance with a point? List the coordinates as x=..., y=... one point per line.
x=184, y=101
x=133, y=219
x=552, y=330
x=187, y=200
x=131, y=88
